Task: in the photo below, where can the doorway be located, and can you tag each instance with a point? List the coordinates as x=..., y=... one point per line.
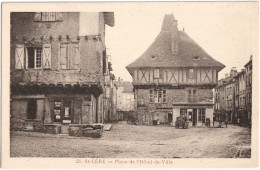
x=194, y=117
x=66, y=116
x=169, y=118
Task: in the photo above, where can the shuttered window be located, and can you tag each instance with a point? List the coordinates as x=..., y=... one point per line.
x=19, y=57
x=69, y=56
x=46, y=56
x=34, y=57
x=47, y=16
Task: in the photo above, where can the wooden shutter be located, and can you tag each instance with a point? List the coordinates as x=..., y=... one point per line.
x=58, y=16
x=37, y=16
x=63, y=56
x=46, y=51
x=19, y=57
x=75, y=56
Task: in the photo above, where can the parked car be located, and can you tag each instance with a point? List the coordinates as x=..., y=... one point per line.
x=182, y=122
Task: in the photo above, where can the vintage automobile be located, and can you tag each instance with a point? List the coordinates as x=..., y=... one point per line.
x=182, y=122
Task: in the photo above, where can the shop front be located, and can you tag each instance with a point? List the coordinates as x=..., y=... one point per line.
x=197, y=116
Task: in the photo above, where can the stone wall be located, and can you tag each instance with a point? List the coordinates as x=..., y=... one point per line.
x=25, y=31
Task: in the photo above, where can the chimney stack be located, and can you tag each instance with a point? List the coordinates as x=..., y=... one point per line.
x=233, y=72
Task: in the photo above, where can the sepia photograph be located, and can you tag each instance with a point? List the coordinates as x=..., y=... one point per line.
x=137, y=84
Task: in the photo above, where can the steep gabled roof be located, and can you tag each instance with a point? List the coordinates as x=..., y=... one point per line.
x=174, y=48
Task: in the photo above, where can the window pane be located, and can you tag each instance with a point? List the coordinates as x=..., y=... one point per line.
x=38, y=57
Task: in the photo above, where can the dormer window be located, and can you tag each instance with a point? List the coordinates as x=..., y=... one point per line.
x=196, y=58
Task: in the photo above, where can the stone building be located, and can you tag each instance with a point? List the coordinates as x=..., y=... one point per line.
x=125, y=100
x=225, y=98
x=233, y=96
x=248, y=102
x=58, y=68
x=244, y=94
x=174, y=78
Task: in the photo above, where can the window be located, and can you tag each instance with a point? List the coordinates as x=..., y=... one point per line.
x=191, y=73
x=192, y=95
x=201, y=115
x=69, y=56
x=151, y=96
x=156, y=73
x=48, y=16
x=164, y=96
x=34, y=57
x=157, y=95
x=32, y=109
x=196, y=58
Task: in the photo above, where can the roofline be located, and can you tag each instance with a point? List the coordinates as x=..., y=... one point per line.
x=249, y=62
x=130, y=67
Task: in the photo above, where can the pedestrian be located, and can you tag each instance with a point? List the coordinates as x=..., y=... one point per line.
x=226, y=120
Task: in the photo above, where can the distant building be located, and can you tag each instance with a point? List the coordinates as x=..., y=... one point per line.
x=248, y=103
x=225, y=98
x=58, y=68
x=174, y=78
x=233, y=96
x=125, y=100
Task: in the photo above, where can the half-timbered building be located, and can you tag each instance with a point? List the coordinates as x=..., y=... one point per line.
x=58, y=69
x=174, y=78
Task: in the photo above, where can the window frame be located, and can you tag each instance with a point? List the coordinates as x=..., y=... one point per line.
x=35, y=58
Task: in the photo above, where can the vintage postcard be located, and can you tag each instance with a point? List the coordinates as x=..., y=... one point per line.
x=130, y=85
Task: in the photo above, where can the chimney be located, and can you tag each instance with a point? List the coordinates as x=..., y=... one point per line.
x=226, y=75
x=119, y=79
x=233, y=72
x=251, y=56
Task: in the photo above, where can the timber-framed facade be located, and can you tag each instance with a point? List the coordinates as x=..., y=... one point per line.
x=174, y=78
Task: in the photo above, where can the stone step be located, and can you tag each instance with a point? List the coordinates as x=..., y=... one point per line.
x=107, y=127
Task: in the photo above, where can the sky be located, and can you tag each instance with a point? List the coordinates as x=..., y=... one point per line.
x=226, y=31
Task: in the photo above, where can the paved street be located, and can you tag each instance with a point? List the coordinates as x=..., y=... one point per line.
x=131, y=141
